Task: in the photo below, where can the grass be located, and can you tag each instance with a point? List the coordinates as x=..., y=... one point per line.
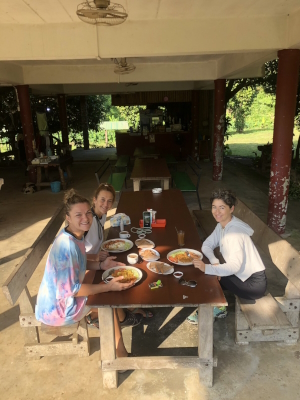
x=245, y=144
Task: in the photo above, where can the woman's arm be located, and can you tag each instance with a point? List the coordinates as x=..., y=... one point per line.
x=210, y=244
x=101, y=256
x=114, y=285
x=234, y=258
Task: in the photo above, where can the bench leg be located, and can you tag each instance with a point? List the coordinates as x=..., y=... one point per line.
x=62, y=178
x=205, y=343
x=38, y=177
x=165, y=184
x=136, y=185
x=107, y=346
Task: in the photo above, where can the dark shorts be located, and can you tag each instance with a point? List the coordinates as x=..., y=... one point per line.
x=253, y=288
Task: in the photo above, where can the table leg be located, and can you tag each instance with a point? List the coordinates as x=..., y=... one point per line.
x=205, y=343
x=165, y=184
x=107, y=345
x=38, y=177
x=69, y=172
x=136, y=185
x=62, y=178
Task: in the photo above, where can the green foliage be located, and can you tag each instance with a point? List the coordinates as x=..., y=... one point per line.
x=239, y=107
x=294, y=190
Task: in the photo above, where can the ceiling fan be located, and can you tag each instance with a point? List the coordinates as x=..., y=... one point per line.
x=122, y=67
x=101, y=12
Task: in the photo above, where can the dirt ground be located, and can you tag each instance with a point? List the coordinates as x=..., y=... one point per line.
x=257, y=371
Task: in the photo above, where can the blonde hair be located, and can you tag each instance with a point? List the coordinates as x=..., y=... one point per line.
x=107, y=187
x=71, y=198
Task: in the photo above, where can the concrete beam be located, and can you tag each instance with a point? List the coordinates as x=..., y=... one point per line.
x=11, y=74
x=143, y=38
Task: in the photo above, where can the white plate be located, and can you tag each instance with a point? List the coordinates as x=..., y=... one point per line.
x=149, y=241
x=128, y=244
x=155, y=258
x=159, y=273
x=156, y=190
x=109, y=271
x=189, y=250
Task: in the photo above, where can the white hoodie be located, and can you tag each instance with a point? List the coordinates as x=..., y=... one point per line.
x=240, y=255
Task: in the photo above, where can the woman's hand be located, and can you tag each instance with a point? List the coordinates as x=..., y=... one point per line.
x=115, y=286
x=102, y=255
x=199, y=264
x=110, y=263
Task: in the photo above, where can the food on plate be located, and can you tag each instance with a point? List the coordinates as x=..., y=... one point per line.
x=129, y=275
x=118, y=244
x=144, y=243
x=160, y=267
x=182, y=257
x=148, y=254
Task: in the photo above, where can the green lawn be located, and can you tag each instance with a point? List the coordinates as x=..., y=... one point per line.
x=244, y=144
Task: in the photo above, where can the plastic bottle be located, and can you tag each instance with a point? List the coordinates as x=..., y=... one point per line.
x=121, y=225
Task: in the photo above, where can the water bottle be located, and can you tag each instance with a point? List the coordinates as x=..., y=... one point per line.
x=121, y=225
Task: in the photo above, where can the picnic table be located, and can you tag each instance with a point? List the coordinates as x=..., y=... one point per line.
x=170, y=205
x=146, y=152
x=60, y=164
x=148, y=169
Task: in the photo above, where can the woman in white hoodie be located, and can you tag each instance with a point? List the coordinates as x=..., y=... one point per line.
x=243, y=272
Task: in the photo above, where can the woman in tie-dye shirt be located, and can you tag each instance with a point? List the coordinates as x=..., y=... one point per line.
x=63, y=294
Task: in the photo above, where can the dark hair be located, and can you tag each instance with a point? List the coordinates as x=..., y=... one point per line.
x=227, y=196
x=107, y=187
x=71, y=198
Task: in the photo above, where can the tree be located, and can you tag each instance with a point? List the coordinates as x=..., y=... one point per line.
x=240, y=106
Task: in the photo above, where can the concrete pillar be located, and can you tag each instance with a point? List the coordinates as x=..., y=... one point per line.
x=195, y=123
x=27, y=126
x=219, y=122
x=286, y=91
x=62, y=109
x=85, y=122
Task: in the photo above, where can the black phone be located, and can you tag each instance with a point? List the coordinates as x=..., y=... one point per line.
x=147, y=219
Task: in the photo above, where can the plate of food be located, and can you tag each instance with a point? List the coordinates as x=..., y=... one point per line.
x=117, y=245
x=130, y=274
x=184, y=256
x=149, y=254
x=144, y=244
x=160, y=267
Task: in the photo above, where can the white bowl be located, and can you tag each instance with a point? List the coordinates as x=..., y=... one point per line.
x=156, y=190
x=132, y=258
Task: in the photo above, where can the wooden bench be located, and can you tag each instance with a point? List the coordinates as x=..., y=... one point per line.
x=15, y=288
x=182, y=181
x=122, y=163
x=269, y=318
x=116, y=179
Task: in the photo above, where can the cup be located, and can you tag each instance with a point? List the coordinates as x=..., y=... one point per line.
x=180, y=237
x=132, y=258
x=124, y=235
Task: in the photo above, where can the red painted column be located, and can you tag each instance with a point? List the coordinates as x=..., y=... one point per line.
x=62, y=109
x=287, y=83
x=27, y=126
x=219, y=122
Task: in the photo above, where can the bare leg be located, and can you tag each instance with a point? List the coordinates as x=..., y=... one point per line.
x=120, y=347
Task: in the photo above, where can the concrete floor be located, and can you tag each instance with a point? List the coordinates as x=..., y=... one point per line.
x=258, y=371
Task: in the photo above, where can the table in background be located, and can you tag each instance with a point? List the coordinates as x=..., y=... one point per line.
x=60, y=164
x=146, y=152
x=150, y=170
x=170, y=205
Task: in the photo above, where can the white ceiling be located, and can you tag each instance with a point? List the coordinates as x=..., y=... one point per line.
x=173, y=43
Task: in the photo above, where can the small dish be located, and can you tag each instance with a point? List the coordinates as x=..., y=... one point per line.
x=132, y=258
x=160, y=268
x=156, y=190
x=143, y=243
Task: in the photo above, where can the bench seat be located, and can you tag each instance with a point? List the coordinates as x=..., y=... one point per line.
x=268, y=318
x=183, y=182
x=122, y=162
x=117, y=179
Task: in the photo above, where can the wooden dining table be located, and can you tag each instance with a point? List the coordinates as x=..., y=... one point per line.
x=170, y=205
x=146, y=152
x=150, y=169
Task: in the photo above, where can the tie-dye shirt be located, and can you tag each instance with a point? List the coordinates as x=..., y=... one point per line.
x=64, y=274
